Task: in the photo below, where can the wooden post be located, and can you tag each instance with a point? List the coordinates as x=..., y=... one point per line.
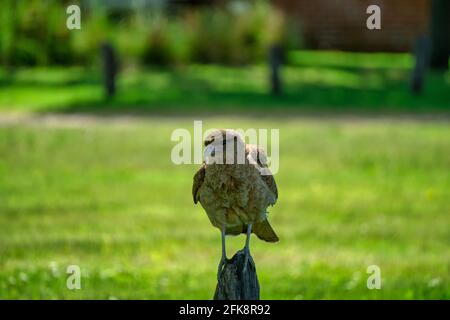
x=440, y=38
x=234, y=283
x=421, y=53
x=109, y=69
x=275, y=61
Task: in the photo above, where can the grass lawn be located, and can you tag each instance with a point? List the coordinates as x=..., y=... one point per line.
x=105, y=196
x=313, y=82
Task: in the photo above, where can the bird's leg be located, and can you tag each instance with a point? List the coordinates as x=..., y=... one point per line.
x=223, y=258
x=247, y=246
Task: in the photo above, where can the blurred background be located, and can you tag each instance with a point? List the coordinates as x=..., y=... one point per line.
x=86, y=118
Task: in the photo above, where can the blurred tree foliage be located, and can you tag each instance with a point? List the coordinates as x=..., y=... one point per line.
x=33, y=32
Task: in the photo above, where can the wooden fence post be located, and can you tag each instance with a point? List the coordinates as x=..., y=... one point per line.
x=110, y=69
x=440, y=39
x=234, y=283
x=422, y=55
x=275, y=61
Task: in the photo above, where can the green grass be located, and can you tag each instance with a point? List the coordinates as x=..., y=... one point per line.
x=313, y=82
x=106, y=196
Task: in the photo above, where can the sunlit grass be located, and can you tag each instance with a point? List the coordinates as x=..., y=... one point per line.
x=352, y=59
x=105, y=196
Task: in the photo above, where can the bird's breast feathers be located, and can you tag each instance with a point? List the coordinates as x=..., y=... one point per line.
x=235, y=185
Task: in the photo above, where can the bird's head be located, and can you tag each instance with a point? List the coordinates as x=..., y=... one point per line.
x=224, y=146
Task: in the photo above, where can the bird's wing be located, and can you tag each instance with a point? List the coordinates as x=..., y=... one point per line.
x=270, y=181
x=198, y=181
x=262, y=162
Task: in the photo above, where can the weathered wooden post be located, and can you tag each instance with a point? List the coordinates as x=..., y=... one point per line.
x=234, y=283
x=422, y=54
x=275, y=61
x=110, y=69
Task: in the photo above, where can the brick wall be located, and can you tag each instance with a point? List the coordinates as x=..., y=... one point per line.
x=341, y=24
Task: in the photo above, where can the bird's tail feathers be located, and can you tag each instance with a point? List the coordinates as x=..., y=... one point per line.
x=264, y=231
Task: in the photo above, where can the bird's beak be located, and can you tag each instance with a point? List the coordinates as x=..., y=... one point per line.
x=209, y=153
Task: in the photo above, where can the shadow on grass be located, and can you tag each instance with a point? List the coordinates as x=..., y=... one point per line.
x=219, y=89
x=394, y=97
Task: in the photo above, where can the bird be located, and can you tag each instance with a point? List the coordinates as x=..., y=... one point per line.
x=233, y=191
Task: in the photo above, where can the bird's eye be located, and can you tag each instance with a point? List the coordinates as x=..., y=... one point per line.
x=209, y=141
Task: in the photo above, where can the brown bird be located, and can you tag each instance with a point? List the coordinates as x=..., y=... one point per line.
x=233, y=192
